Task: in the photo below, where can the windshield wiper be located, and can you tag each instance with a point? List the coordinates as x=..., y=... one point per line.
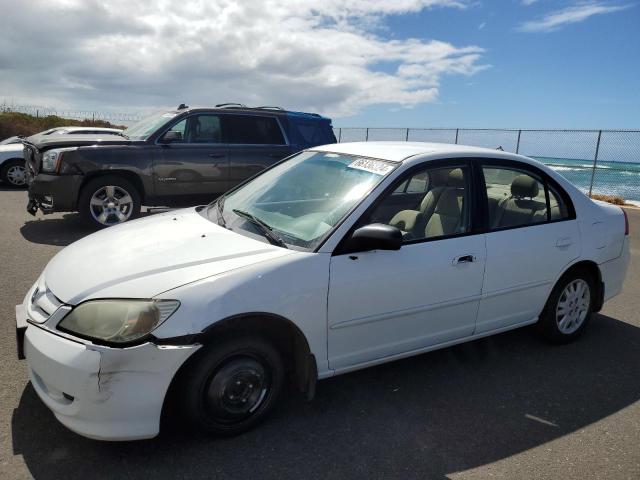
x=122, y=134
x=264, y=228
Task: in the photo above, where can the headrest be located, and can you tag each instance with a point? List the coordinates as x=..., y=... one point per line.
x=524, y=186
x=456, y=178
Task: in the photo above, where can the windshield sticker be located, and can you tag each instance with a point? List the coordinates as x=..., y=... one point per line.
x=372, y=166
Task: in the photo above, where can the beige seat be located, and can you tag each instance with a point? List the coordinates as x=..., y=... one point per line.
x=447, y=218
x=415, y=222
x=521, y=207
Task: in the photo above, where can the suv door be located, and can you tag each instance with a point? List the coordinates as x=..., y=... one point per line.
x=533, y=235
x=386, y=303
x=195, y=162
x=255, y=142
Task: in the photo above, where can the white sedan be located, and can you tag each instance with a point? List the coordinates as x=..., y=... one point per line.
x=336, y=259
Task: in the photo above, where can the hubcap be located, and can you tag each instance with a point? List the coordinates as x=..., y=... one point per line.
x=110, y=205
x=236, y=390
x=573, y=306
x=17, y=175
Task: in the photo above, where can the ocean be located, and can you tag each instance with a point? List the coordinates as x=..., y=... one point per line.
x=611, y=178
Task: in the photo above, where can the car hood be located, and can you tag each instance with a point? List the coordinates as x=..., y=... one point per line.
x=49, y=141
x=145, y=257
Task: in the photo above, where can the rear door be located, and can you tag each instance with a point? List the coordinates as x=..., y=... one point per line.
x=533, y=235
x=254, y=143
x=197, y=163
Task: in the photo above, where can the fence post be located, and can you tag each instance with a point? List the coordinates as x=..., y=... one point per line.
x=595, y=161
x=518, y=144
x=457, y=135
x=406, y=138
x=366, y=136
x=339, y=134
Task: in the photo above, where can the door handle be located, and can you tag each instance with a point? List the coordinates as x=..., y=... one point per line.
x=564, y=242
x=216, y=155
x=464, y=259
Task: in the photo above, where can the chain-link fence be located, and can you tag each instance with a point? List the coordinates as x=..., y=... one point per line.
x=40, y=111
x=605, y=162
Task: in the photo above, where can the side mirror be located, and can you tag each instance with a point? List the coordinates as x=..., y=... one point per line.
x=171, y=136
x=376, y=236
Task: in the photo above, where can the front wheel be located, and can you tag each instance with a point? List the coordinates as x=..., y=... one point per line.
x=14, y=173
x=232, y=386
x=569, y=307
x=108, y=200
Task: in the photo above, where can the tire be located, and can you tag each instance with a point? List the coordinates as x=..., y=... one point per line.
x=575, y=294
x=13, y=173
x=120, y=201
x=232, y=386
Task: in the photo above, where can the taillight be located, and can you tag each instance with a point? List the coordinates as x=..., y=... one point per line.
x=626, y=221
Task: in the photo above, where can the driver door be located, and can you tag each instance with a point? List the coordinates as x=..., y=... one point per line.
x=386, y=303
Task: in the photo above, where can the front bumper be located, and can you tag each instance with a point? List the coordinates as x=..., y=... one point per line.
x=100, y=392
x=53, y=193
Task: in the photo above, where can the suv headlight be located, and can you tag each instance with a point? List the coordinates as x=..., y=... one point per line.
x=51, y=158
x=117, y=321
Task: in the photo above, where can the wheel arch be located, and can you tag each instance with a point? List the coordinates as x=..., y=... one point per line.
x=128, y=175
x=285, y=335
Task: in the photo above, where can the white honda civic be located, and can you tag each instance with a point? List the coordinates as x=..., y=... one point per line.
x=338, y=258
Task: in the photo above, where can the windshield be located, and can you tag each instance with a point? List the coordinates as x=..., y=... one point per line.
x=144, y=128
x=301, y=199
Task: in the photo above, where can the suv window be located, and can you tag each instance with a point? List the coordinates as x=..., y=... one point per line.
x=434, y=202
x=202, y=129
x=518, y=198
x=252, y=130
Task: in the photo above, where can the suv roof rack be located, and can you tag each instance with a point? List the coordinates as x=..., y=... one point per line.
x=231, y=105
x=268, y=107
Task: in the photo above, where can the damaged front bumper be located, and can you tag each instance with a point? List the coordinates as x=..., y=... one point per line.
x=101, y=392
x=53, y=193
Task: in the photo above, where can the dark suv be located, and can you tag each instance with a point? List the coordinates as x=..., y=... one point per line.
x=181, y=157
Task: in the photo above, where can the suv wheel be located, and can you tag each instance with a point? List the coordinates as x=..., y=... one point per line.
x=109, y=200
x=232, y=386
x=14, y=173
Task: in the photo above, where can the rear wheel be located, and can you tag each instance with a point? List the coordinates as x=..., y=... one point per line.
x=109, y=200
x=569, y=307
x=232, y=386
x=14, y=173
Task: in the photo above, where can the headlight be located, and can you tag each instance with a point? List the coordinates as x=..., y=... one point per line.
x=118, y=321
x=51, y=158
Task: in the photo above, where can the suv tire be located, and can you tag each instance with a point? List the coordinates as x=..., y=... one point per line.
x=108, y=200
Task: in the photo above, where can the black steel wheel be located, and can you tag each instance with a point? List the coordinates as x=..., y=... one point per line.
x=232, y=385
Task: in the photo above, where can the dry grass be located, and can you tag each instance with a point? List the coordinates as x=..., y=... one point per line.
x=616, y=200
x=12, y=123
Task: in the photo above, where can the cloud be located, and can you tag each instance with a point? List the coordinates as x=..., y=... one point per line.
x=526, y=3
x=482, y=25
x=328, y=56
x=572, y=14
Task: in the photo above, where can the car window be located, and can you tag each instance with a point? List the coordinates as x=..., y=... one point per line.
x=252, y=130
x=557, y=207
x=515, y=198
x=181, y=129
x=203, y=129
x=434, y=203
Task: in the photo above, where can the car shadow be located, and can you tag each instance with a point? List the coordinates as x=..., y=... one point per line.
x=61, y=231
x=423, y=417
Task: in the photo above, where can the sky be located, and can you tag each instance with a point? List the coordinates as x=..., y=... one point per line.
x=375, y=63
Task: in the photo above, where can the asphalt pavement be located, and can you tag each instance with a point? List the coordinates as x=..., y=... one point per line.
x=509, y=406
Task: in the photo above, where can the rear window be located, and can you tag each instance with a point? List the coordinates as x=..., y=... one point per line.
x=311, y=132
x=252, y=130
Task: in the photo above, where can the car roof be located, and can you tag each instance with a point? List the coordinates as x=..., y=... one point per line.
x=82, y=129
x=253, y=110
x=399, y=151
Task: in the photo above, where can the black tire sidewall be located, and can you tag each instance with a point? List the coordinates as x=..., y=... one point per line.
x=93, y=185
x=4, y=170
x=548, y=325
x=197, y=376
